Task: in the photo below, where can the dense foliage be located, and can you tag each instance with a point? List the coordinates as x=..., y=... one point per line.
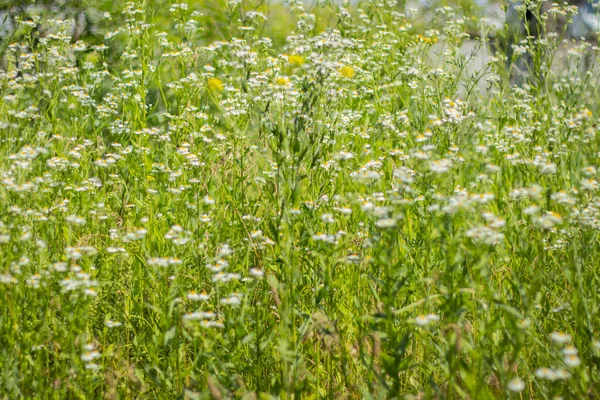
x=263, y=200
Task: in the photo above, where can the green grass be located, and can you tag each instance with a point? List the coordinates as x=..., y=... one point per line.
x=350, y=210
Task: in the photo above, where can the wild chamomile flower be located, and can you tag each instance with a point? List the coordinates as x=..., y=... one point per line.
x=208, y=200
x=193, y=296
x=569, y=351
x=560, y=337
x=524, y=323
x=424, y=320
x=552, y=374
x=386, y=223
x=572, y=360
x=235, y=299
x=440, y=166
x=256, y=272
x=531, y=210
x=545, y=373
x=516, y=385
x=75, y=220
x=112, y=324
x=90, y=355
x=199, y=316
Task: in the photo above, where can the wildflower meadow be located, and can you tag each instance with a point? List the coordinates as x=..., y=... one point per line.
x=253, y=199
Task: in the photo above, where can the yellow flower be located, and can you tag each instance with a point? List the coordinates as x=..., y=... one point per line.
x=428, y=40
x=296, y=59
x=346, y=71
x=215, y=85
x=282, y=81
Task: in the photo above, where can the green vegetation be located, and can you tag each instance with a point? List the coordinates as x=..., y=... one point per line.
x=284, y=200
